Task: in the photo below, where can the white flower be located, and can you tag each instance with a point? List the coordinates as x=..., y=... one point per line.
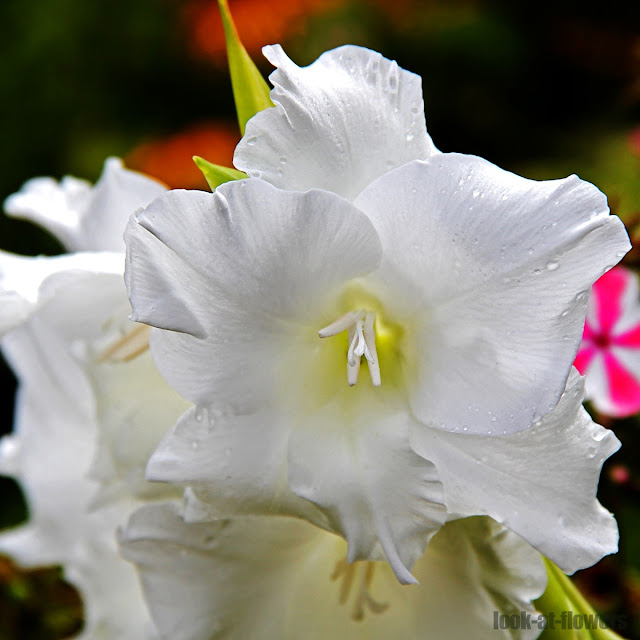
x=82, y=217
x=90, y=409
x=474, y=279
x=280, y=578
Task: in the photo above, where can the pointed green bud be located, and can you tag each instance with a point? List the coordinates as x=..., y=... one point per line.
x=216, y=175
x=250, y=90
x=569, y=615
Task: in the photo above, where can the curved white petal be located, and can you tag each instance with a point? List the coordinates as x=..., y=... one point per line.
x=56, y=206
x=26, y=283
x=235, y=465
x=367, y=483
x=242, y=273
x=540, y=483
x=135, y=408
x=276, y=579
x=113, y=600
x=338, y=124
x=489, y=271
x=386, y=500
x=82, y=217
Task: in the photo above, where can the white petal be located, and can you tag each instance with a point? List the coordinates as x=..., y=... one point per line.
x=540, y=483
x=235, y=464
x=135, y=409
x=473, y=571
x=242, y=271
x=384, y=499
x=55, y=432
x=629, y=317
x=202, y=580
x=338, y=124
x=271, y=578
x=490, y=272
x=56, y=206
x=26, y=283
x=597, y=385
x=85, y=218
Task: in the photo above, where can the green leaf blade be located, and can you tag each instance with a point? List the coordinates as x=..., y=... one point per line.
x=250, y=90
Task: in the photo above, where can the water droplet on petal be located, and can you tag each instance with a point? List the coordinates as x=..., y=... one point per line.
x=552, y=265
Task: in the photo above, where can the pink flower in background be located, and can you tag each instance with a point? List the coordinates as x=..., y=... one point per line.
x=609, y=355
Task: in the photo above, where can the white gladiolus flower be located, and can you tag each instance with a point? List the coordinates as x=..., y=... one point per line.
x=460, y=287
x=277, y=578
x=81, y=216
x=91, y=406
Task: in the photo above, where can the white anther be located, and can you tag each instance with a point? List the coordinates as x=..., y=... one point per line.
x=341, y=324
x=362, y=342
x=370, y=341
x=353, y=368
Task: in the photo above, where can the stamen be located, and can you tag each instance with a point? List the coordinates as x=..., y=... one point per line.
x=130, y=346
x=370, y=340
x=361, y=573
x=362, y=342
x=341, y=324
x=353, y=369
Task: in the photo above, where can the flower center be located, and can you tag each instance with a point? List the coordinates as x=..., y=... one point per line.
x=602, y=340
x=357, y=578
x=362, y=342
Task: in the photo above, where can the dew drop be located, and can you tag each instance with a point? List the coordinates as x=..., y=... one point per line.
x=476, y=193
x=409, y=136
x=283, y=160
x=591, y=452
x=252, y=141
x=552, y=265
